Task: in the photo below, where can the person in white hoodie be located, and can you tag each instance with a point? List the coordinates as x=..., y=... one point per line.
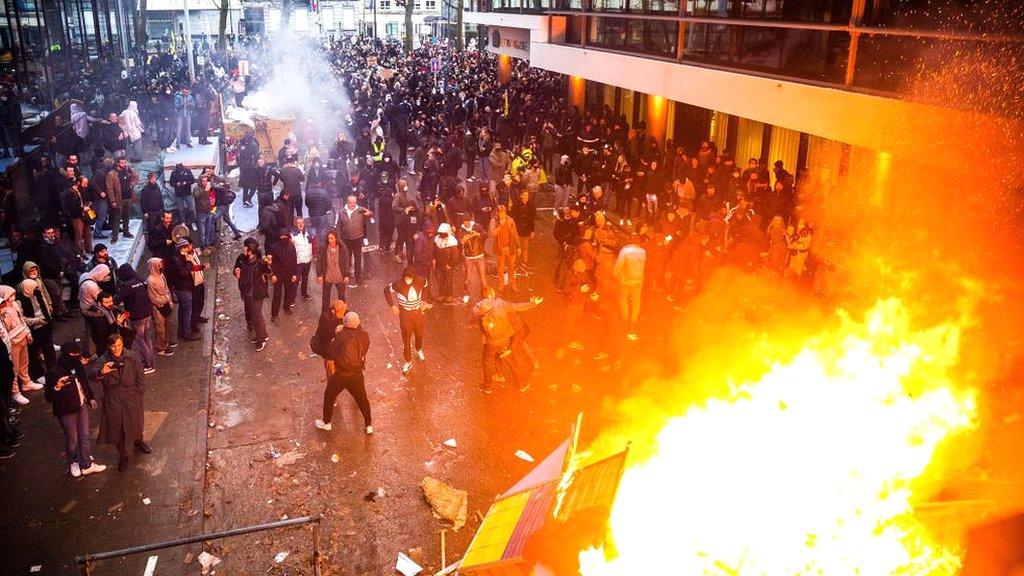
x=305, y=251
x=20, y=338
x=132, y=128
x=629, y=271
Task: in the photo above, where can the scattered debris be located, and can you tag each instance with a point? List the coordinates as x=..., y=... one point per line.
x=447, y=503
x=390, y=365
x=406, y=566
x=147, y=501
x=36, y=568
x=289, y=457
x=523, y=455
x=67, y=507
x=335, y=458
x=451, y=443
x=188, y=559
x=207, y=560
x=280, y=556
x=273, y=454
x=150, y=566
x=115, y=507
x=375, y=495
x=221, y=317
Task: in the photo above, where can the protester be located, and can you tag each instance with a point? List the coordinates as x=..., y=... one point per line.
x=348, y=353
x=68, y=390
x=253, y=270
x=405, y=298
x=122, y=415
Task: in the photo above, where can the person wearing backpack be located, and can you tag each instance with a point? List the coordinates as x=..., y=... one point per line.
x=348, y=353
x=503, y=334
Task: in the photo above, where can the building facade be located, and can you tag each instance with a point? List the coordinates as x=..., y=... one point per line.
x=820, y=85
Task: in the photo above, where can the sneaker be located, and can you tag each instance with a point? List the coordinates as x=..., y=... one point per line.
x=254, y=341
x=128, y=235
x=6, y=453
x=167, y=352
x=322, y=425
x=149, y=370
x=32, y=386
x=353, y=285
x=465, y=299
x=93, y=469
x=263, y=344
x=632, y=337
x=20, y=399
x=366, y=241
x=423, y=357
x=406, y=367
x=40, y=380
x=76, y=471
x=486, y=389
x=369, y=429
x=172, y=345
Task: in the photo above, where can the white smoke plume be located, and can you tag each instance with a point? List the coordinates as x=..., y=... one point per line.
x=300, y=84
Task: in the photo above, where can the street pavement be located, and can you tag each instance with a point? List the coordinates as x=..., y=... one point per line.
x=217, y=409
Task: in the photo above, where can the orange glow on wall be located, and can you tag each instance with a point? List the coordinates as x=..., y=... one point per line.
x=577, y=91
x=657, y=115
x=504, y=68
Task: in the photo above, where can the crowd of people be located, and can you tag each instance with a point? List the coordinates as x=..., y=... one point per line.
x=457, y=176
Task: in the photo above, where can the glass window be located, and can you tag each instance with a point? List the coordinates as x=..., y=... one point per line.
x=431, y=4
x=574, y=30
x=810, y=54
x=826, y=11
x=658, y=37
x=384, y=5
x=418, y=5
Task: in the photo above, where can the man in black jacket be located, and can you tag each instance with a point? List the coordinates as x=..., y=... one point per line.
x=284, y=267
x=252, y=271
x=182, y=181
x=151, y=202
x=348, y=353
x=180, y=276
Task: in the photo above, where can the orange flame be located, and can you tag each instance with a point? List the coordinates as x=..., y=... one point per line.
x=813, y=469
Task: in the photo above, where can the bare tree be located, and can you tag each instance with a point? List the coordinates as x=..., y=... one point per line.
x=409, y=5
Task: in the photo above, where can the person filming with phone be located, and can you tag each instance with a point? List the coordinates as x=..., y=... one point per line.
x=120, y=372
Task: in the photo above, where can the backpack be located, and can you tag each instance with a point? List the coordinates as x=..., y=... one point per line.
x=225, y=196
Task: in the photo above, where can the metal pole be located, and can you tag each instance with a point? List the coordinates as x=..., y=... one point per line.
x=188, y=45
x=21, y=39
x=316, y=547
x=374, y=19
x=110, y=27
x=96, y=28
x=82, y=35
x=83, y=560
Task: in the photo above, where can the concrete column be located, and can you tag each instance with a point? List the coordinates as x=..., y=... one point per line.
x=504, y=69
x=657, y=117
x=577, y=91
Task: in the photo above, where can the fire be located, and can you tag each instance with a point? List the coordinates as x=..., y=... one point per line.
x=812, y=469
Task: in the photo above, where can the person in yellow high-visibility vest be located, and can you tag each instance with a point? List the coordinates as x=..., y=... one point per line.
x=378, y=149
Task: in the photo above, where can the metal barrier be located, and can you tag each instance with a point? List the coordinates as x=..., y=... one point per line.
x=84, y=561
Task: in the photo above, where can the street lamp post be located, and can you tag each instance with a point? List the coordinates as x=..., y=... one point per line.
x=188, y=45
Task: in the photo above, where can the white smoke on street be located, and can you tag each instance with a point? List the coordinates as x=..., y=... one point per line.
x=300, y=84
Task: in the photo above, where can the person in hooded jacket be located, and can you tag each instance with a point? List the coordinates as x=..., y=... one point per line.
x=285, y=275
x=133, y=129
x=253, y=270
x=134, y=296
x=446, y=256
x=405, y=298
x=37, y=309
x=162, y=303
x=68, y=390
x=20, y=337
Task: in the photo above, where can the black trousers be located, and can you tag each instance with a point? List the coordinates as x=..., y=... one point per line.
x=283, y=289
x=356, y=387
x=386, y=227
x=411, y=323
x=355, y=250
x=325, y=293
x=304, y=278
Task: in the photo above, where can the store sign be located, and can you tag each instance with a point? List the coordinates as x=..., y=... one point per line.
x=514, y=42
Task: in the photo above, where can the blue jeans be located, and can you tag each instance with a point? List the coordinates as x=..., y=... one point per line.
x=76, y=436
x=187, y=210
x=224, y=213
x=206, y=225
x=143, y=343
x=102, y=210
x=185, y=327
